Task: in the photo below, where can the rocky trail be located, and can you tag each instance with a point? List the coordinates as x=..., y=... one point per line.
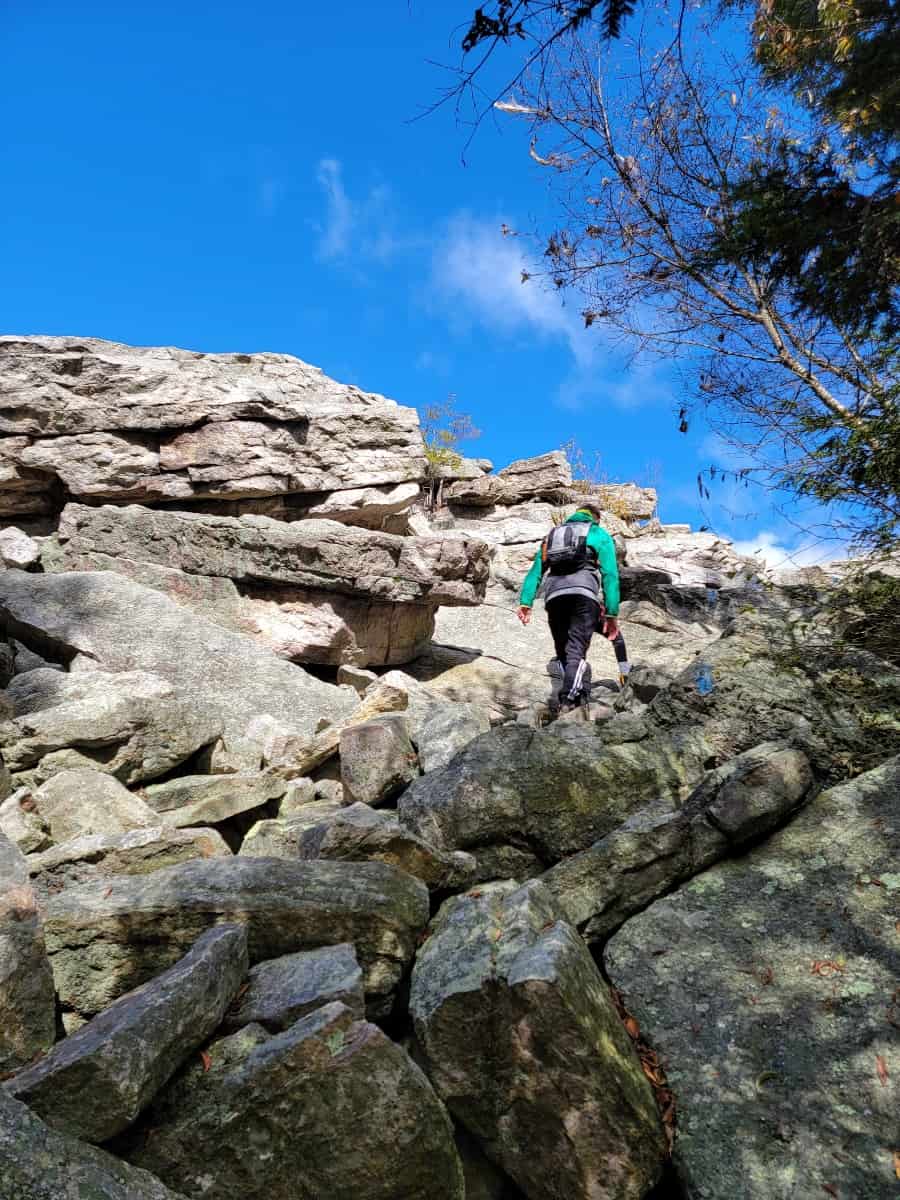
x=302, y=898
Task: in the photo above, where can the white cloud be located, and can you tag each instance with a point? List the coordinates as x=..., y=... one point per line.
x=768, y=548
x=476, y=265
x=335, y=236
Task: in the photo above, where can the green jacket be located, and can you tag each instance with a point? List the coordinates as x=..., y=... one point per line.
x=599, y=541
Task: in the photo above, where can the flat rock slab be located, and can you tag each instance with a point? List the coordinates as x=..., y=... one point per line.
x=318, y=554
x=530, y=789
x=132, y=724
x=768, y=986
x=107, y=937
x=95, y=1083
x=40, y=1164
x=27, y=1000
x=329, y=1108
x=282, y=990
x=523, y=1044
x=223, y=674
x=208, y=799
x=101, y=855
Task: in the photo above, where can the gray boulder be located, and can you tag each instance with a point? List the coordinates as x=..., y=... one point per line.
x=100, y=855
x=208, y=799
x=134, y=725
x=530, y=789
x=766, y=984
x=107, y=937
x=40, y=1164
x=377, y=759
x=81, y=802
x=17, y=549
x=446, y=731
x=96, y=1082
x=359, y=833
x=282, y=990
x=328, y=1108
x=523, y=1044
x=222, y=676
x=27, y=1001
x=659, y=845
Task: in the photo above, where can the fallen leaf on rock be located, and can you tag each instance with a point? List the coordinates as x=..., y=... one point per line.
x=107, y=893
x=897, y=1163
x=830, y=1189
x=881, y=1068
x=826, y=967
x=206, y=1060
x=632, y=1028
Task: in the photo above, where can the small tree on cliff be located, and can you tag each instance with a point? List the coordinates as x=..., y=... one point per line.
x=443, y=428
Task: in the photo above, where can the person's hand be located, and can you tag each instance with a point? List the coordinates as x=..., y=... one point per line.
x=524, y=614
x=611, y=628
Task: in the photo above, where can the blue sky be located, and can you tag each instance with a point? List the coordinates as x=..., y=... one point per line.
x=247, y=177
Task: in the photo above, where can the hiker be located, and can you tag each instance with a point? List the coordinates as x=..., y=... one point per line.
x=581, y=595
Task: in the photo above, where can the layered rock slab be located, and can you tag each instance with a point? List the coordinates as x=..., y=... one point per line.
x=768, y=985
x=96, y=1082
x=330, y=1107
x=40, y=1164
x=223, y=675
x=107, y=937
x=156, y=423
x=316, y=554
x=27, y=1000
x=523, y=1044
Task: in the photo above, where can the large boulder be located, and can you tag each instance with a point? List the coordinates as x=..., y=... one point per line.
x=133, y=724
x=282, y=990
x=157, y=424
x=324, y=556
x=692, y=559
x=659, y=846
x=524, y=1045
x=447, y=731
x=96, y=1082
x=27, y=1001
x=768, y=985
x=107, y=937
x=377, y=759
x=531, y=789
x=225, y=676
x=40, y=1164
x=328, y=1108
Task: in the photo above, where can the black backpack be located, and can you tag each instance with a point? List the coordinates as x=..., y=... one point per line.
x=566, y=549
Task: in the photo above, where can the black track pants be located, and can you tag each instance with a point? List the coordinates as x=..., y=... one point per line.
x=573, y=620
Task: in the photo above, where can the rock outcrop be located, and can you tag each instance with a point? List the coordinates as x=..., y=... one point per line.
x=768, y=985
x=127, y=423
